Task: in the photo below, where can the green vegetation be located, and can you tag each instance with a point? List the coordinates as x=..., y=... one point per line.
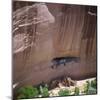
x=27, y=92
x=64, y=92
x=94, y=84
x=90, y=87
x=86, y=87
x=92, y=90
x=77, y=91
x=44, y=91
x=93, y=87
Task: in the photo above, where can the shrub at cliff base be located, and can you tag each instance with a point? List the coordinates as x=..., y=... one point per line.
x=64, y=92
x=27, y=92
x=77, y=91
x=44, y=91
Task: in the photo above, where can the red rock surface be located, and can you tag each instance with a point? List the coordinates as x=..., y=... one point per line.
x=44, y=31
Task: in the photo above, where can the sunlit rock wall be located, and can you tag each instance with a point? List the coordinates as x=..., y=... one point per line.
x=43, y=31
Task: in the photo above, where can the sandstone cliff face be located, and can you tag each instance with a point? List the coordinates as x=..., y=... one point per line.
x=42, y=32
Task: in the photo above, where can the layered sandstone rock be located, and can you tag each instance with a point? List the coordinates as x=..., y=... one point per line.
x=42, y=32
